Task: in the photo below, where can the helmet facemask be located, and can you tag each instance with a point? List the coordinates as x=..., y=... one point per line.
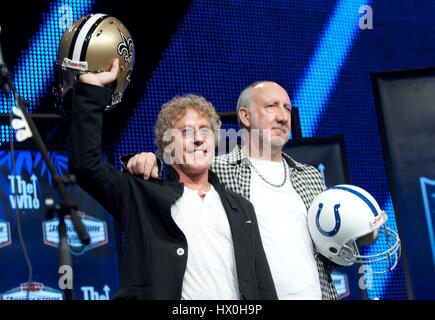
x=350, y=252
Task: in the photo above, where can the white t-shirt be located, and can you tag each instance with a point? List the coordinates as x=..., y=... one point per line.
x=282, y=220
x=211, y=268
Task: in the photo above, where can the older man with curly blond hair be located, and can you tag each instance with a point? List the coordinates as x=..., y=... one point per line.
x=186, y=236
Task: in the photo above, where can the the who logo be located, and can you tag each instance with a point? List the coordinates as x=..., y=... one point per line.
x=24, y=194
x=96, y=228
x=428, y=194
x=5, y=233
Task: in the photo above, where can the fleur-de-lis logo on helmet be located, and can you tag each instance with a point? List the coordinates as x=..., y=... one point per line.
x=127, y=47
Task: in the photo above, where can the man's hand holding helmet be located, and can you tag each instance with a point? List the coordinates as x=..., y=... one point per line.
x=101, y=79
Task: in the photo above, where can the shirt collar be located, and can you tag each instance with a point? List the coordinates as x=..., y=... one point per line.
x=172, y=175
x=238, y=155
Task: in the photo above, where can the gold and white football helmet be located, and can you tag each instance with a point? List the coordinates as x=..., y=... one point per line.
x=89, y=45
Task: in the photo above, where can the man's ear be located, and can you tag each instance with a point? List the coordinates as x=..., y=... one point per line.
x=245, y=117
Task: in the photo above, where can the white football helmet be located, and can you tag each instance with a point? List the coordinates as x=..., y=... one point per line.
x=345, y=216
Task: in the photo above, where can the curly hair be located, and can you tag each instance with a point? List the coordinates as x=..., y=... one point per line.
x=175, y=109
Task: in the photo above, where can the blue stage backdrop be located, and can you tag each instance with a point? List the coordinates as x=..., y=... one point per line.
x=321, y=51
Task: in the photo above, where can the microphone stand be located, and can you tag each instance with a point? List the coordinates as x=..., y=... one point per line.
x=67, y=206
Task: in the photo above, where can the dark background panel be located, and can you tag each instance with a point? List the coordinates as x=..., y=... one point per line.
x=407, y=114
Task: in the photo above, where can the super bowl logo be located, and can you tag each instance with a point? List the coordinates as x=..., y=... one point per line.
x=32, y=291
x=97, y=230
x=5, y=233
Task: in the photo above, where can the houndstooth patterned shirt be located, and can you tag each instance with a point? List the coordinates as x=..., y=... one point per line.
x=234, y=171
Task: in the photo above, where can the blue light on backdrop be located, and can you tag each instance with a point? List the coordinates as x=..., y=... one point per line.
x=4, y=134
x=33, y=73
x=324, y=67
x=314, y=49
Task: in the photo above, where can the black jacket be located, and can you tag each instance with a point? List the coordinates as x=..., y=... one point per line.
x=151, y=266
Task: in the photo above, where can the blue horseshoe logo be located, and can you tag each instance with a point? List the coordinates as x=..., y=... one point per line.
x=337, y=221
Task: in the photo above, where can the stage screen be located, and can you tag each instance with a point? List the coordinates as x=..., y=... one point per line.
x=406, y=110
x=95, y=267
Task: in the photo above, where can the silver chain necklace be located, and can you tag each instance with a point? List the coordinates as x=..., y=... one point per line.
x=268, y=182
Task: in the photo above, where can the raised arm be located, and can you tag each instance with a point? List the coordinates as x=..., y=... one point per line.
x=101, y=180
